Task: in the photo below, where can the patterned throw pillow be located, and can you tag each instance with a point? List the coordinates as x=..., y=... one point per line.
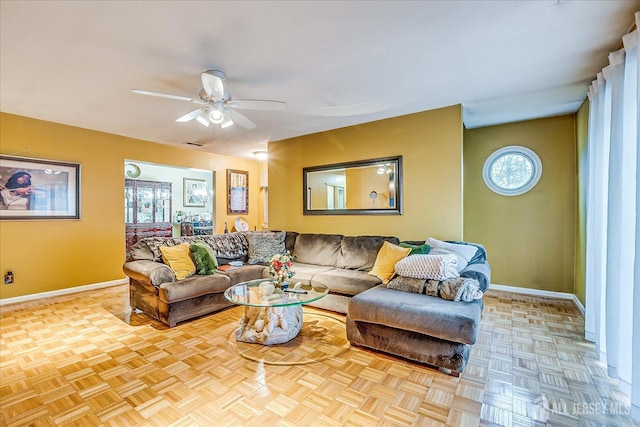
x=264, y=245
x=436, y=267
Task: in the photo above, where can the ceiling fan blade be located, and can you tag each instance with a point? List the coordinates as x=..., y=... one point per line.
x=189, y=116
x=212, y=84
x=240, y=119
x=258, y=104
x=163, y=95
x=203, y=118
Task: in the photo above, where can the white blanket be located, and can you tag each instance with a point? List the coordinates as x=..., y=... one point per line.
x=435, y=267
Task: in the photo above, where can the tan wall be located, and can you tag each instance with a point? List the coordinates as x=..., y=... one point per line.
x=431, y=145
x=582, y=129
x=52, y=255
x=530, y=239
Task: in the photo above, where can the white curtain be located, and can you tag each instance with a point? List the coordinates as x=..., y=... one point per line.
x=613, y=224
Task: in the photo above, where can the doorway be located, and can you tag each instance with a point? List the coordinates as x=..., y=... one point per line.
x=173, y=187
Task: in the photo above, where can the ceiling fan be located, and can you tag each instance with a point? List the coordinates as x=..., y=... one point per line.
x=216, y=104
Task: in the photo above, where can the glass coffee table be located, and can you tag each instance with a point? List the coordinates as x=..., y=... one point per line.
x=271, y=315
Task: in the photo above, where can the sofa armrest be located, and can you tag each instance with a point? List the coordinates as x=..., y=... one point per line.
x=480, y=271
x=149, y=272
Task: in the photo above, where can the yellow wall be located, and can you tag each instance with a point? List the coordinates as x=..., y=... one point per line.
x=261, y=190
x=52, y=255
x=582, y=128
x=530, y=239
x=431, y=145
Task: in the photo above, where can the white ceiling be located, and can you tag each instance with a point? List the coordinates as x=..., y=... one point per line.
x=335, y=63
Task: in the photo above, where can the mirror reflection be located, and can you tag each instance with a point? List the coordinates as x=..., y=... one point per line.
x=362, y=187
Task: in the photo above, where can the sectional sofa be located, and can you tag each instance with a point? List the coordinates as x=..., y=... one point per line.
x=424, y=328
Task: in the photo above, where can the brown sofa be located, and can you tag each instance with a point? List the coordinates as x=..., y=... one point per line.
x=154, y=289
x=415, y=326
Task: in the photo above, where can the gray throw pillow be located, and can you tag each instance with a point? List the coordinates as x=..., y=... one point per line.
x=264, y=245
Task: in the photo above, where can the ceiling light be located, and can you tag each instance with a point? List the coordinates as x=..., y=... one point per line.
x=216, y=116
x=261, y=155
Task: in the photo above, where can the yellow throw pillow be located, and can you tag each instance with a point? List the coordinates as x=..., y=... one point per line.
x=389, y=254
x=179, y=259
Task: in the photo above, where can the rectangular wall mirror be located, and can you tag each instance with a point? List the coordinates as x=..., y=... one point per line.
x=365, y=187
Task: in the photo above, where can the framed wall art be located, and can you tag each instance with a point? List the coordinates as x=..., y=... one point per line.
x=195, y=192
x=36, y=189
x=237, y=192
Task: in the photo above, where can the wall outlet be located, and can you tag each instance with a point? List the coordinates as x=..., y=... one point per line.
x=8, y=278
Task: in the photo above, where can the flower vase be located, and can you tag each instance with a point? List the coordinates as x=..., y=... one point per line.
x=279, y=282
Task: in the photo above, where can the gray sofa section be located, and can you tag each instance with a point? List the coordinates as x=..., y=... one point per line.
x=414, y=326
x=342, y=263
x=420, y=327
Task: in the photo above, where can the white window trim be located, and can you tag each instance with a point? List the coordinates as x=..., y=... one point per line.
x=512, y=149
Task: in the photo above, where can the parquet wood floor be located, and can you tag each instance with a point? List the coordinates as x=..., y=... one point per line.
x=83, y=360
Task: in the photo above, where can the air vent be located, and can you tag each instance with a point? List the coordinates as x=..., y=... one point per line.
x=197, y=144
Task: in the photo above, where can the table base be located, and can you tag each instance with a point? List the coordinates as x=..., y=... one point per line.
x=269, y=325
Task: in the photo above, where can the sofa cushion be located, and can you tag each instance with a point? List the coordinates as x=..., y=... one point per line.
x=360, y=252
x=448, y=320
x=389, y=255
x=203, y=257
x=245, y=273
x=304, y=272
x=178, y=257
x=346, y=282
x=193, y=287
x=317, y=249
x=264, y=245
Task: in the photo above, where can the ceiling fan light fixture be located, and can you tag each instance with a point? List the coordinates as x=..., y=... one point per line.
x=216, y=116
x=226, y=123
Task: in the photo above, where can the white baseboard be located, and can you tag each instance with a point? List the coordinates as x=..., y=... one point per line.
x=49, y=294
x=539, y=292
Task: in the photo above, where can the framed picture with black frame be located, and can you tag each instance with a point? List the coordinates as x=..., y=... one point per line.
x=38, y=189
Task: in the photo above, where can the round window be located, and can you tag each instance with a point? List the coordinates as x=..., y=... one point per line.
x=512, y=170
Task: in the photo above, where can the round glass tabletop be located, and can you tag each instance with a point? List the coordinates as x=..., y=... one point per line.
x=261, y=293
